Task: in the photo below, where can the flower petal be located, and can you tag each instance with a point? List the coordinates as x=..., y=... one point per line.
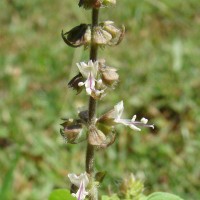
x=90, y=84
x=88, y=68
x=76, y=180
x=119, y=110
x=81, y=193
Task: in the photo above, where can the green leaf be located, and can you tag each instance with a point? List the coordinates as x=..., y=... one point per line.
x=113, y=197
x=142, y=197
x=163, y=196
x=61, y=194
x=8, y=179
x=99, y=176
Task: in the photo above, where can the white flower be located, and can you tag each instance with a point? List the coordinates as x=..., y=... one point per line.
x=90, y=71
x=87, y=69
x=118, y=110
x=81, y=182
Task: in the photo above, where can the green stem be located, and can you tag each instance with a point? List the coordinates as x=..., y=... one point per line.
x=92, y=110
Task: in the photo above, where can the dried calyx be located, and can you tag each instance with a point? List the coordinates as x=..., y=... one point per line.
x=75, y=130
x=104, y=34
x=109, y=75
x=88, y=4
x=71, y=130
x=100, y=137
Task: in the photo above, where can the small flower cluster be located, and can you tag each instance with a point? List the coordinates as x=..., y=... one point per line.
x=107, y=122
x=102, y=134
x=103, y=34
x=96, y=77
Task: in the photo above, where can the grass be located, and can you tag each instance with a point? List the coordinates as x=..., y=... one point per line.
x=158, y=63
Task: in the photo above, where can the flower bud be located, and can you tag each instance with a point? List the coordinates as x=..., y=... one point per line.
x=84, y=116
x=99, y=176
x=131, y=188
x=98, y=94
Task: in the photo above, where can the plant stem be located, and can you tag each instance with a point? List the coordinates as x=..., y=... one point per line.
x=94, y=47
x=92, y=110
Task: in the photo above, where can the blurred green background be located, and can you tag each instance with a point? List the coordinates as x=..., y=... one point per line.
x=159, y=67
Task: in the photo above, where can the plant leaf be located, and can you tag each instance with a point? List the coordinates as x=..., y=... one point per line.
x=142, y=197
x=8, y=179
x=113, y=197
x=163, y=196
x=99, y=176
x=61, y=194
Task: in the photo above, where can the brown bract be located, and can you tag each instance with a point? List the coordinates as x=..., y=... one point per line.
x=75, y=37
x=87, y=4
x=74, y=83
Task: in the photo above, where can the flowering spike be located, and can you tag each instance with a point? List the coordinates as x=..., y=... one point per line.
x=84, y=116
x=96, y=78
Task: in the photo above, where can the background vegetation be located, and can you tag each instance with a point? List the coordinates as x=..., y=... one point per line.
x=159, y=66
